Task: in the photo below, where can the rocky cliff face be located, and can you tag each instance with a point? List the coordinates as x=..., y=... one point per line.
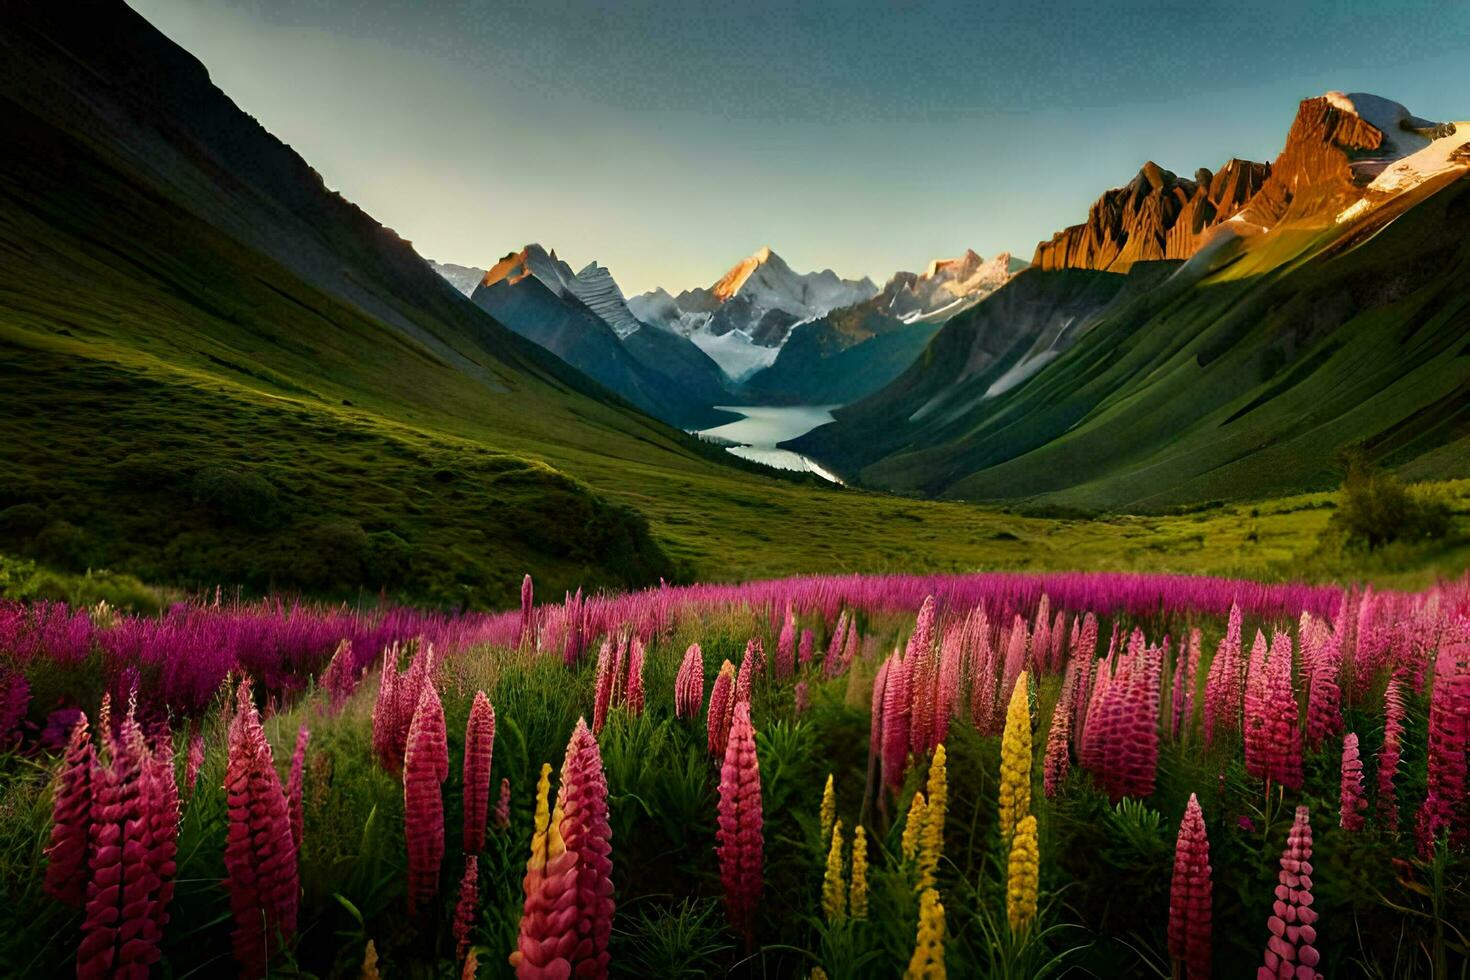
x=1156, y=215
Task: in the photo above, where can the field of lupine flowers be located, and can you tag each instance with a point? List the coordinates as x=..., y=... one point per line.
x=993, y=775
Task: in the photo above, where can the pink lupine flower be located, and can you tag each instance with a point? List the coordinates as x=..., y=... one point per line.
x=479, y=752
x=425, y=767
x=1449, y=738
x=1321, y=664
x=947, y=689
x=922, y=677
x=1058, y=760
x=294, y=786
x=1059, y=641
x=1085, y=651
x=1222, y=685
x=501, y=816
x=1273, y=735
x=752, y=665
x=162, y=792
x=586, y=833
x=721, y=710
x=896, y=708
x=15, y=700
x=467, y=906
x=549, y=926
x=1291, y=953
x=852, y=649
x=837, y=644
x=983, y=680
x=786, y=647
x=800, y=698
x=66, y=856
x=528, y=615
x=1015, y=662
x=740, y=842
x=398, y=697
x=804, y=648
x=875, y=713
x=260, y=855
x=1388, y=756
x=689, y=683
x=604, y=685
x=1190, y=897
x=633, y=689
x=1353, y=802
x=340, y=678
x=195, y=761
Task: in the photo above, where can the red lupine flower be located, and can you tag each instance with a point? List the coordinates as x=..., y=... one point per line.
x=1388, y=756
x=604, y=685
x=501, y=816
x=260, y=855
x=467, y=906
x=425, y=767
x=528, y=616
x=800, y=698
x=740, y=841
x=786, y=647
x=633, y=689
x=721, y=710
x=1353, y=802
x=479, y=751
x=1058, y=759
x=549, y=926
x=1449, y=738
x=586, y=833
x=896, y=708
x=66, y=857
x=804, y=648
x=1290, y=950
x=1190, y=897
x=294, y=785
x=689, y=684
x=195, y=761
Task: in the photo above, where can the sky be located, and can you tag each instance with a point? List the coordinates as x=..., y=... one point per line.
x=666, y=139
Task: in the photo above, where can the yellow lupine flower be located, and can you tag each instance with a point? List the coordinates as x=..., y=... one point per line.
x=928, y=959
x=818, y=973
x=1015, y=762
x=829, y=808
x=913, y=827
x=857, y=902
x=936, y=807
x=370, y=962
x=1023, y=876
x=834, y=889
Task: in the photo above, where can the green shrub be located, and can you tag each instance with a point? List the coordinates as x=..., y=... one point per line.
x=21, y=521
x=237, y=497
x=63, y=545
x=1376, y=509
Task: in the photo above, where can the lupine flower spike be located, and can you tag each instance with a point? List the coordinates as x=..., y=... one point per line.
x=502, y=806
x=1023, y=877
x=1015, y=761
x=548, y=931
x=740, y=843
x=927, y=963
x=467, y=907
x=425, y=767
x=582, y=802
x=1290, y=950
x=721, y=709
x=936, y=809
x=834, y=889
x=913, y=828
x=1353, y=802
x=1190, y=897
x=294, y=785
x=828, y=812
x=66, y=857
x=479, y=754
x=857, y=902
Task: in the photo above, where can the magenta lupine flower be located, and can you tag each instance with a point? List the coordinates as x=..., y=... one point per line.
x=689, y=683
x=633, y=696
x=398, y=696
x=260, y=855
x=1449, y=738
x=479, y=752
x=832, y=663
x=604, y=685
x=467, y=906
x=161, y=790
x=71, y=809
x=852, y=649
x=501, y=816
x=1273, y=735
x=721, y=710
x=425, y=767
x=587, y=834
x=1321, y=664
x=800, y=698
x=619, y=670
x=923, y=677
x=1353, y=802
x=740, y=844
x=1388, y=756
x=1085, y=651
x=786, y=647
x=15, y=701
x=195, y=761
x=340, y=678
x=804, y=648
x=1058, y=760
x=528, y=615
x=1291, y=953
x=1190, y=897
x=294, y=786
x=896, y=707
x=1222, y=684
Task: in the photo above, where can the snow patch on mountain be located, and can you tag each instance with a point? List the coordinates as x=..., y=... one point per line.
x=462, y=277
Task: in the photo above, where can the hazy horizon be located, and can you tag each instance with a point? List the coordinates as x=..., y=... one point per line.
x=666, y=143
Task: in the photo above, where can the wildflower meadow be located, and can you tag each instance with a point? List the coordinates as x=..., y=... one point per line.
x=990, y=775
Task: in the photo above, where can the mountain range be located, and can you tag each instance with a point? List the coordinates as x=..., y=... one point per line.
x=1214, y=338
